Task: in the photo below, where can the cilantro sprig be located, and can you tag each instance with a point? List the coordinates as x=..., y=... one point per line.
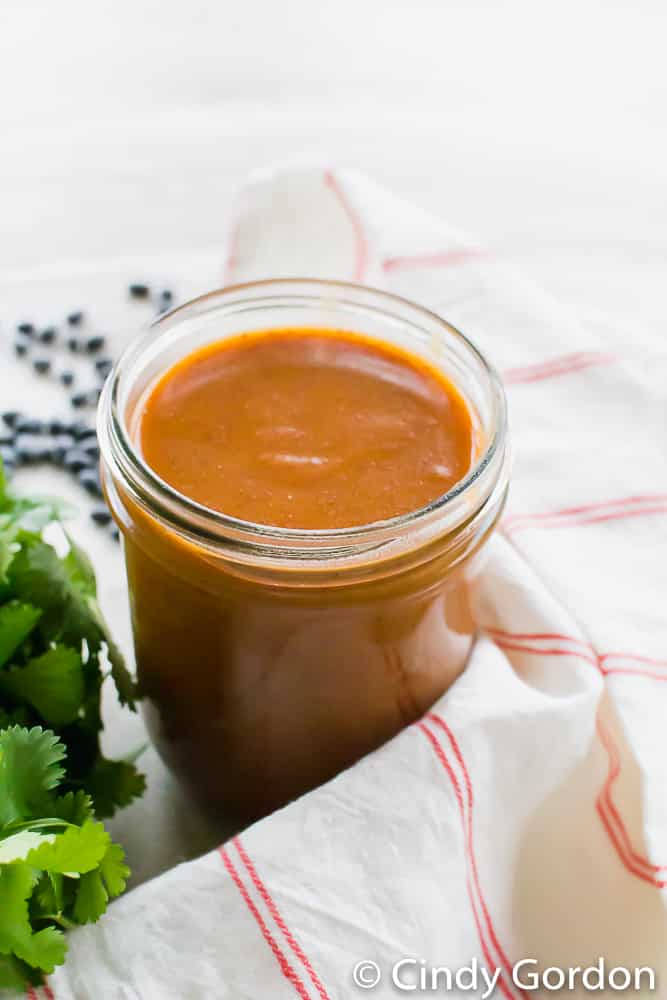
x=56, y=651
x=58, y=865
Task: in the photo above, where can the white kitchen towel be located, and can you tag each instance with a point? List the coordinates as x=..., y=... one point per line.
x=525, y=817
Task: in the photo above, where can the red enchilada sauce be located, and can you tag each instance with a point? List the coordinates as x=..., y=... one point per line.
x=261, y=683
x=307, y=429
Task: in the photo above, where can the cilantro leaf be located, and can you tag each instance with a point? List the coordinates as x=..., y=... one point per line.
x=65, y=590
x=82, y=577
x=75, y=808
x=114, y=871
x=51, y=683
x=47, y=900
x=91, y=898
x=13, y=973
x=58, y=865
x=44, y=949
x=38, y=575
x=55, y=647
x=6, y=557
x=16, y=623
x=97, y=887
x=29, y=769
x=126, y=686
x=114, y=783
x=16, y=885
x=78, y=849
x=80, y=569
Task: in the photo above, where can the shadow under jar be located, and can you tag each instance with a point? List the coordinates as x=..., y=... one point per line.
x=272, y=658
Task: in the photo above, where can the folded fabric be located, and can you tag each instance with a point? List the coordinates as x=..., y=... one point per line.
x=525, y=817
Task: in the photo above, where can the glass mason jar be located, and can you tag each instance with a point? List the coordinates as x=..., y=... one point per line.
x=272, y=658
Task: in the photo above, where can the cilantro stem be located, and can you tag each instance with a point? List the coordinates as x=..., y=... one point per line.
x=58, y=918
x=33, y=824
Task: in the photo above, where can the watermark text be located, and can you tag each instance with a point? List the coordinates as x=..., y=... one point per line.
x=413, y=975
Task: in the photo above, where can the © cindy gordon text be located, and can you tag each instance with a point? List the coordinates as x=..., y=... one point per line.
x=411, y=975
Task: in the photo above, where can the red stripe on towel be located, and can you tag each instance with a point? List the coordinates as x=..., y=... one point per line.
x=607, y=510
x=278, y=918
x=629, y=672
x=650, y=660
x=469, y=792
x=443, y=258
x=517, y=636
x=520, y=642
x=563, y=365
x=611, y=819
x=470, y=856
x=361, y=262
x=280, y=957
x=552, y=651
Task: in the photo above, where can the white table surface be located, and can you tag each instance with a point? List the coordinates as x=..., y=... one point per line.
x=126, y=126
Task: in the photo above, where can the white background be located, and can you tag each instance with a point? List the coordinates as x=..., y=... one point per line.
x=126, y=126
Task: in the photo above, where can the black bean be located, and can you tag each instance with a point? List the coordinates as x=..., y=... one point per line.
x=81, y=399
x=41, y=365
x=76, y=460
x=66, y=378
x=56, y=427
x=6, y=438
x=90, y=448
x=103, y=366
x=139, y=291
x=10, y=417
x=47, y=335
x=94, y=344
x=29, y=425
x=101, y=516
x=30, y=449
x=75, y=318
x=80, y=430
x=74, y=345
x=21, y=347
x=115, y=534
x=88, y=441
x=26, y=328
x=60, y=445
x=90, y=480
x=165, y=301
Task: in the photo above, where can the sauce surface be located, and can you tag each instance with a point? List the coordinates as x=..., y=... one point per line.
x=306, y=428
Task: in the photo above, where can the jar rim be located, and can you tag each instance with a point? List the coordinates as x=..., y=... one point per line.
x=185, y=514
